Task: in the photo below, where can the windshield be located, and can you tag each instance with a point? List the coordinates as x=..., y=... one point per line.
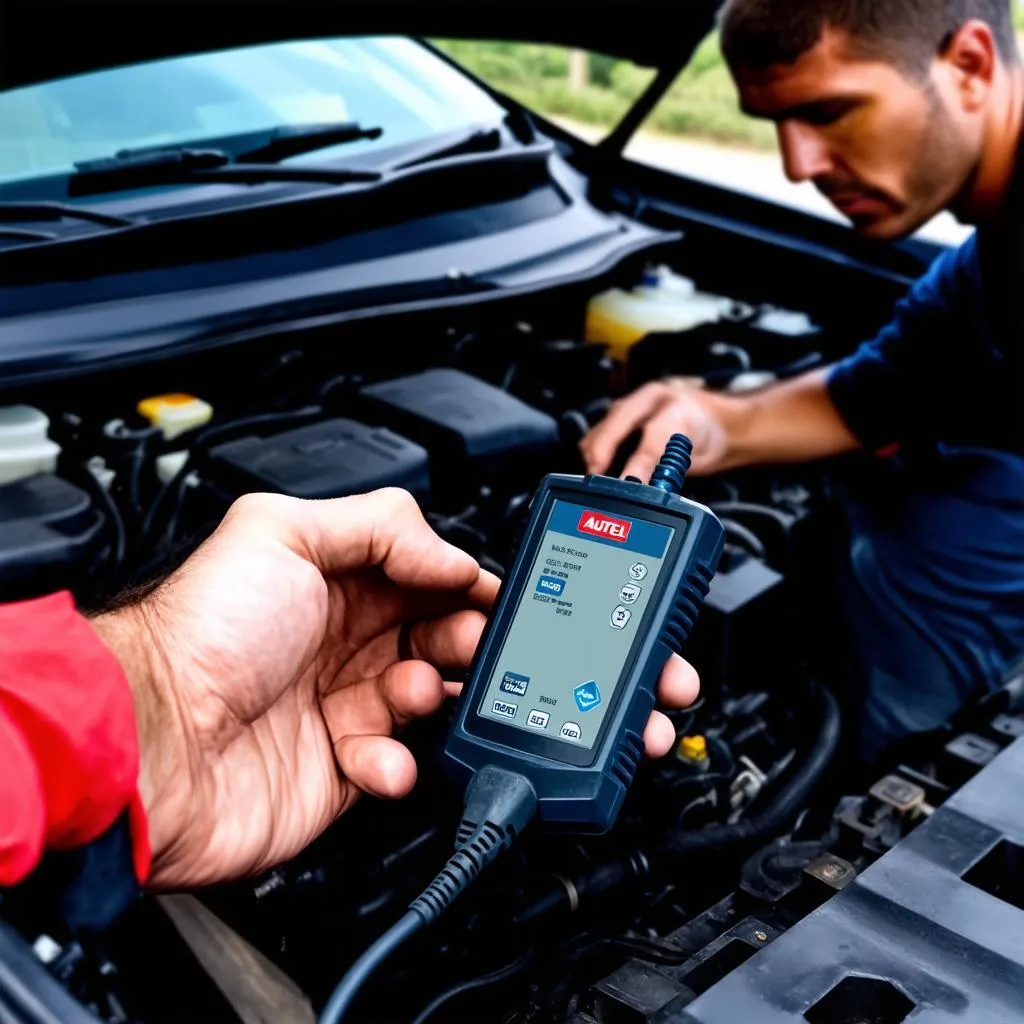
x=390, y=82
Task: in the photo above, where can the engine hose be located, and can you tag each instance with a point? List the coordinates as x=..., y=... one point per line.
x=783, y=808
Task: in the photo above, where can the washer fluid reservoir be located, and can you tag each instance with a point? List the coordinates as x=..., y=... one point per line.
x=663, y=302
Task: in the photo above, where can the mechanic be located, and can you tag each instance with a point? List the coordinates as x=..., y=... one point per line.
x=895, y=110
x=223, y=721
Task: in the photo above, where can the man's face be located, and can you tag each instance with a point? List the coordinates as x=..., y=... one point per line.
x=889, y=152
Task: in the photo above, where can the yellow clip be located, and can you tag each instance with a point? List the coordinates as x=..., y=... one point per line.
x=693, y=748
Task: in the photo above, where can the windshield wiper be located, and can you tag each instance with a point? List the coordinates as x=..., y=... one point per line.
x=480, y=140
x=156, y=168
x=294, y=140
x=265, y=145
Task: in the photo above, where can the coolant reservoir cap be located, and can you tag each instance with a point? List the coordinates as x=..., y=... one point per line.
x=175, y=413
x=25, y=446
x=22, y=425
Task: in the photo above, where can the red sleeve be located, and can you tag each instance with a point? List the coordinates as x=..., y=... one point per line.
x=69, y=752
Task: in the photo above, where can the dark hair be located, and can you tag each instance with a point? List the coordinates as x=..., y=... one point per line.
x=908, y=33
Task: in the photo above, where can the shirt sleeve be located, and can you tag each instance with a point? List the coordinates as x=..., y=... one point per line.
x=68, y=741
x=905, y=383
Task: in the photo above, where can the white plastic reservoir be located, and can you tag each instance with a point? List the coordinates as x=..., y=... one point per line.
x=25, y=445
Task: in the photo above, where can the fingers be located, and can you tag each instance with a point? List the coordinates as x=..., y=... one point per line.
x=484, y=592
x=659, y=736
x=677, y=688
x=447, y=643
x=377, y=765
x=679, y=685
x=656, y=436
x=642, y=463
x=601, y=444
x=377, y=706
x=384, y=528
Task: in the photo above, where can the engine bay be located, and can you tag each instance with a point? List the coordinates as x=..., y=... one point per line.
x=756, y=819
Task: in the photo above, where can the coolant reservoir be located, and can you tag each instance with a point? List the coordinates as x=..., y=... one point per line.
x=25, y=446
x=663, y=302
x=175, y=414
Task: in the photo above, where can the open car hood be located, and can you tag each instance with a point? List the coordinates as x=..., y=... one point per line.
x=42, y=40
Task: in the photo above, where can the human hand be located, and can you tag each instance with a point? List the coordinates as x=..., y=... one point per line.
x=271, y=672
x=660, y=410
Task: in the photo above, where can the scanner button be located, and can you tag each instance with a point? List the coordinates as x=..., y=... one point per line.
x=503, y=708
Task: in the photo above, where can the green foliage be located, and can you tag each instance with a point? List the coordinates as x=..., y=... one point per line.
x=702, y=104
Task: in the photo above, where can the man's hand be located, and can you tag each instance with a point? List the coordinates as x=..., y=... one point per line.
x=659, y=410
x=272, y=671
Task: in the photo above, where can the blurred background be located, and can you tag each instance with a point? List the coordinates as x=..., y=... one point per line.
x=697, y=129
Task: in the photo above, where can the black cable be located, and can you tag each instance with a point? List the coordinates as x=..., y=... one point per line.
x=222, y=432
x=473, y=984
x=783, y=807
x=747, y=537
x=499, y=805
x=84, y=476
x=343, y=996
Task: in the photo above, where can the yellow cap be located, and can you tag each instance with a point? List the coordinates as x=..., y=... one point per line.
x=693, y=748
x=175, y=413
x=150, y=408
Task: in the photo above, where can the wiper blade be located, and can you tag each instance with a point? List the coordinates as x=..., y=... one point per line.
x=264, y=145
x=294, y=140
x=481, y=140
x=196, y=167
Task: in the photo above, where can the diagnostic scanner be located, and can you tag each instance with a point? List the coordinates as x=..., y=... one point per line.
x=607, y=583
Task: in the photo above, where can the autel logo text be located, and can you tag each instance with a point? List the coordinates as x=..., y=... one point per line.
x=605, y=526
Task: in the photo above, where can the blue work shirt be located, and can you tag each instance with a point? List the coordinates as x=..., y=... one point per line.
x=938, y=551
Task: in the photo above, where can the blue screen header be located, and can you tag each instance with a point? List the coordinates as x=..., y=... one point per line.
x=626, y=534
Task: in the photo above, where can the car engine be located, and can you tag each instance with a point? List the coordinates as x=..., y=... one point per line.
x=758, y=817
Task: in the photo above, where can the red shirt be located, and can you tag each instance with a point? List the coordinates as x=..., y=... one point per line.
x=69, y=752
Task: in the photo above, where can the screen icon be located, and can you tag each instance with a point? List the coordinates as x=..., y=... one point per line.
x=620, y=617
x=571, y=731
x=550, y=585
x=538, y=719
x=505, y=710
x=587, y=696
x=512, y=682
x=630, y=593
x=638, y=572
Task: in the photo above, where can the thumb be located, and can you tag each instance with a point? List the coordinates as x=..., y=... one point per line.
x=384, y=528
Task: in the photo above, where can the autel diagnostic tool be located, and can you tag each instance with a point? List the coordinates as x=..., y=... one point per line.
x=607, y=584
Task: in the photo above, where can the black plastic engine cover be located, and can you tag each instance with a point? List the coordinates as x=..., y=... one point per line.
x=931, y=932
x=50, y=533
x=471, y=428
x=332, y=459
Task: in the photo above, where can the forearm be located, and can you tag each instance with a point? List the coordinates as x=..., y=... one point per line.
x=795, y=421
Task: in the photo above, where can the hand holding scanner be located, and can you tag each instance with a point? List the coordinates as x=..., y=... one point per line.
x=607, y=584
